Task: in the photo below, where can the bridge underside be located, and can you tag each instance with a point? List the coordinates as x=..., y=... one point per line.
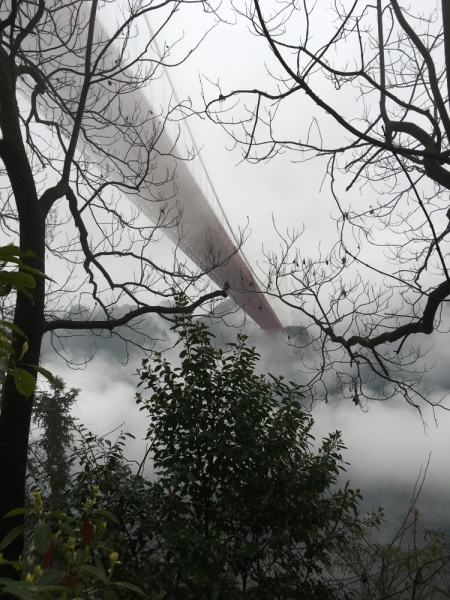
x=205, y=241
x=203, y=238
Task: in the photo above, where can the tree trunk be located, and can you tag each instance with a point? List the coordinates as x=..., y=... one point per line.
x=29, y=314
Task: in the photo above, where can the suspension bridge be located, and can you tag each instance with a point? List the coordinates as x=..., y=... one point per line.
x=204, y=234
x=207, y=237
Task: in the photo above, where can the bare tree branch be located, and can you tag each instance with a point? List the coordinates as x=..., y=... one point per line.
x=385, y=276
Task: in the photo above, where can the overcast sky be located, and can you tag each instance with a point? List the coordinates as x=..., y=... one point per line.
x=388, y=444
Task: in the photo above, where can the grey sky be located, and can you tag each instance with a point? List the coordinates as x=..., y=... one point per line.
x=387, y=445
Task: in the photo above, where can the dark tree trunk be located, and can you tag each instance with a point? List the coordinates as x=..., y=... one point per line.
x=15, y=413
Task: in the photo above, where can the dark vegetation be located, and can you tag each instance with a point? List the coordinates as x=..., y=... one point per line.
x=241, y=504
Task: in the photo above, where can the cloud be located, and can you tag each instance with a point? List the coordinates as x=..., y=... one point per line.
x=387, y=446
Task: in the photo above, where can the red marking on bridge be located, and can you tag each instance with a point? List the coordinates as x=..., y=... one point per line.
x=206, y=242
x=204, y=239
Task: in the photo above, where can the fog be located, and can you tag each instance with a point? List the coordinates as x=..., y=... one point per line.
x=389, y=443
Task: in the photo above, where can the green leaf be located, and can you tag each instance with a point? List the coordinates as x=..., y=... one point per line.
x=10, y=259
x=128, y=586
x=14, y=588
x=18, y=565
x=19, y=281
x=110, y=595
x=18, y=511
x=51, y=577
x=18, y=278
x=94, y=572
x=46, y=374
x=25, y=382
x=49, y=588
x=34, y=271
x=10, y=250
x=9, y=537
x=99, y=564
x=107, y=514
x=78, y=590
x=23, y=290
x=66, y=529
x=42, y=538
x=13, y=328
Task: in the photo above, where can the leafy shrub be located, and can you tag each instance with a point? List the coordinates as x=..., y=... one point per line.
x=76, y=544
x=242, y=506
x=21, y=280
x=247, y=509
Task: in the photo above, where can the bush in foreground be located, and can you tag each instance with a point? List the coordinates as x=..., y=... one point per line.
x=242, y=506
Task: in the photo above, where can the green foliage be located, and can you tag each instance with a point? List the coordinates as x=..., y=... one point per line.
x=125, y=498
x=247, y=508
x=21, y=281
x=77, y=543
x=242, y=506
